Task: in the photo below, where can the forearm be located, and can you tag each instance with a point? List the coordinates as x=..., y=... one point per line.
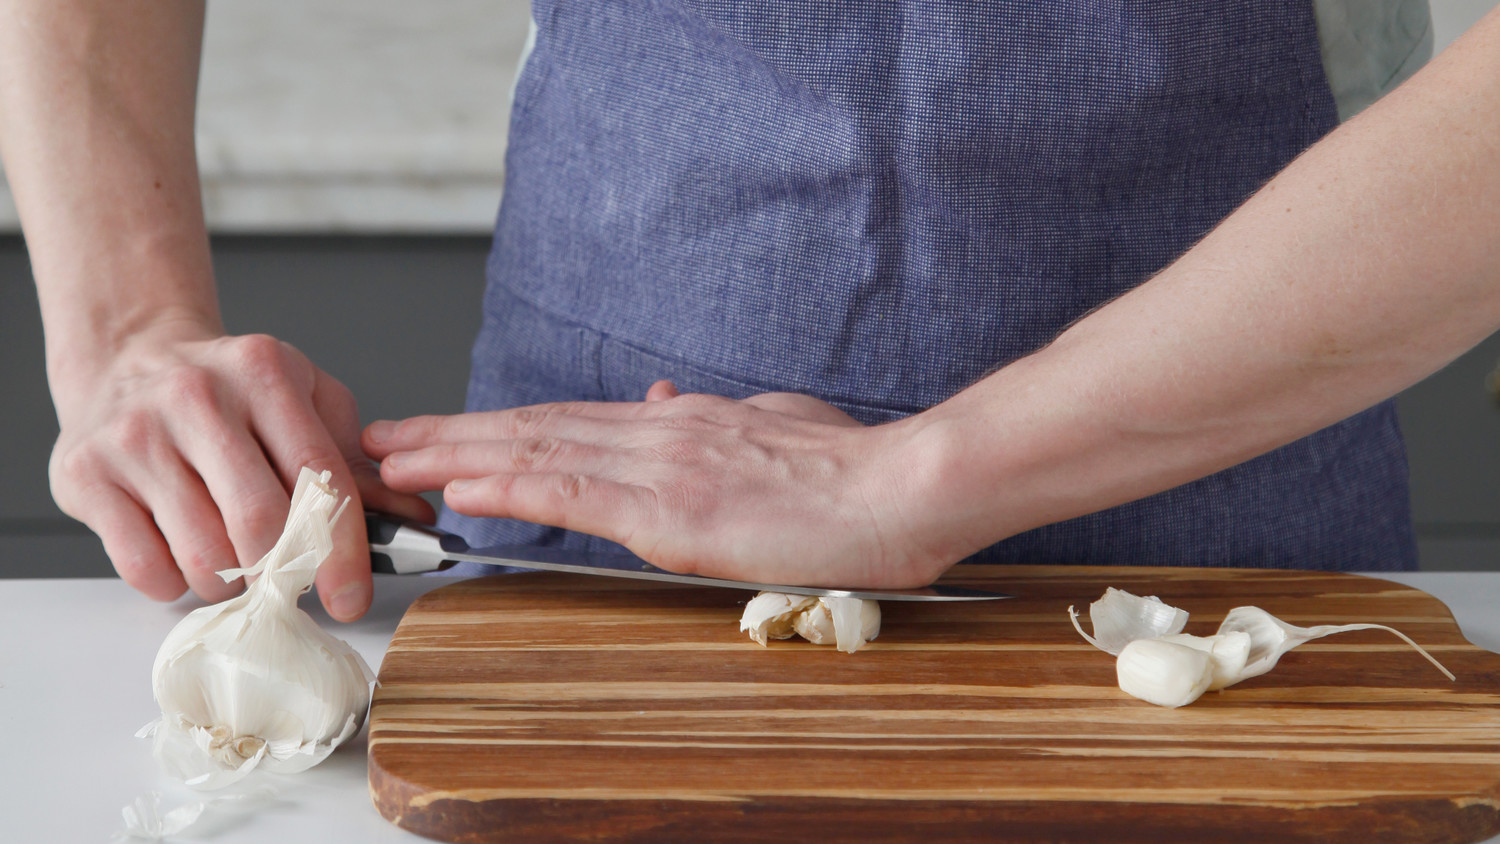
x=96, y=128
x=1370, y=262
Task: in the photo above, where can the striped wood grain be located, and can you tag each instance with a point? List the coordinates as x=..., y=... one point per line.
x=549, y=707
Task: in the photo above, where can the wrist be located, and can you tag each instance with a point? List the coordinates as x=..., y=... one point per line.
x=938, y=500
x=1004, y=456
x=87, y=352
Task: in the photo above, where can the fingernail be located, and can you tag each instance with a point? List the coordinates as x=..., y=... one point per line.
x=381, y=431
x=460, y=486
x=350, y=602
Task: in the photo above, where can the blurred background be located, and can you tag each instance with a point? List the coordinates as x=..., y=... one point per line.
x=352, y=155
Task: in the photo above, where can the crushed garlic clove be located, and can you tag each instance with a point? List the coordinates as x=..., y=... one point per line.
x=846, y=623
x=815, y=624
x=771, y=615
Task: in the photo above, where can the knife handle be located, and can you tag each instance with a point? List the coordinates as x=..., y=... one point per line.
x=401, y=546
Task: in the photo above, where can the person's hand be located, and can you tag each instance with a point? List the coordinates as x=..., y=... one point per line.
x=179, y=452
x=779, y=487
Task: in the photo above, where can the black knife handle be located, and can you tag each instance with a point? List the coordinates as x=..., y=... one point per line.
x=380, y=529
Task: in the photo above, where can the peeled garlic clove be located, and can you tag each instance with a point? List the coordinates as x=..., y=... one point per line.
x=1270, y=637
x=1164, y=673
x=254, y=681
x=1120, y=618
x=1227, y=652
x=770, y=615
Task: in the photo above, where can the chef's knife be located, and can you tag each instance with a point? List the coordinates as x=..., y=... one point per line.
x=398, y=546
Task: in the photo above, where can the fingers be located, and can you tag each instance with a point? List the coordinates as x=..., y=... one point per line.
x=249, y=495
x=191, y=522
x=295, y=436
x=613, y=510
x=335, y=405
x=136, y=548
x=435, y=466
x=160, y=525
x=661, y=391
x=578, y=421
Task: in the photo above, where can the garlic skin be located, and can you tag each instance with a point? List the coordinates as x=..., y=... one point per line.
x=846, y=623
x=1160, y=668
x=1164, y=673
x=1120, y=618
x=254, y=681
x=1270, y=638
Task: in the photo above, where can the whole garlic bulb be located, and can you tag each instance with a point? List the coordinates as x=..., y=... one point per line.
x=254, y=681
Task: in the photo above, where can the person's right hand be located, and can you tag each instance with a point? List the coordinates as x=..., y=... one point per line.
x=180, y=449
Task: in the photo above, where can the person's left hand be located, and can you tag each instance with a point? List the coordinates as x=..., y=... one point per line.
x=780, y=487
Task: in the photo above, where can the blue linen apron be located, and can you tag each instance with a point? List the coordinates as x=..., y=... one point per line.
x=877, y=202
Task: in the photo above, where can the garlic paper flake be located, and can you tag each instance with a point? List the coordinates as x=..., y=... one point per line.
x=254, y=681
x=1159, y=664
x=846, y=623
x=145, y=821
x=1120, y=618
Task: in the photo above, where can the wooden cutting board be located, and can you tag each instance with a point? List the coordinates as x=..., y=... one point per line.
x=550, y=708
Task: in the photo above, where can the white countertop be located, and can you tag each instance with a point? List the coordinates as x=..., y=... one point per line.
x=353, y=115
x=75, y=668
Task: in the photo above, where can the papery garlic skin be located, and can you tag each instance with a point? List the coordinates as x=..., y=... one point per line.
x=1120, y=618
x=1270, y=638
x=254, y=681
x=1164, y=673
x=855, y=621
x=846, y=623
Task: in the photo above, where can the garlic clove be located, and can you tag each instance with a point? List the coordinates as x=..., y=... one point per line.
x=815, y=624
x=770, y=615
x=1120, y=618
x=1270, y=637
x=1164, y=673
x=1227, y=652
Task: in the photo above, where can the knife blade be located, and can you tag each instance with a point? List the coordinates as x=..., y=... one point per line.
x=400, y=546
